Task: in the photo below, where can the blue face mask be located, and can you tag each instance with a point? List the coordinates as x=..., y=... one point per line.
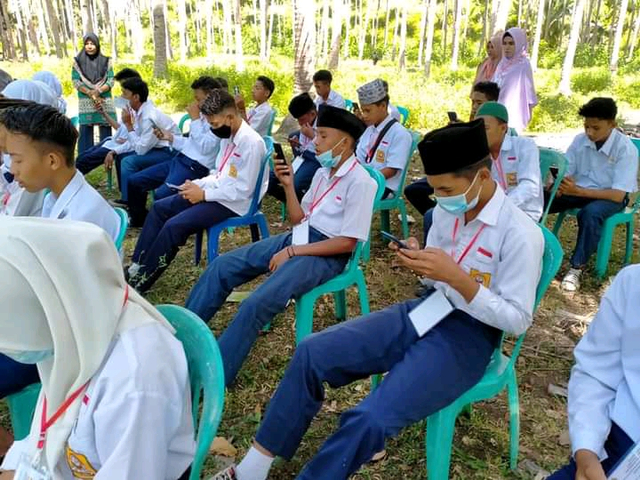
x=29, y=357
x=457, y=204
x=327, y=159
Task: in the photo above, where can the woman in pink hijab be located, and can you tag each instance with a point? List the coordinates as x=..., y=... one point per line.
x=487, y=68
x=515, y=79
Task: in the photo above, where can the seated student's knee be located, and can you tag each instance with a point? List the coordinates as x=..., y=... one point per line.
x=368, y=419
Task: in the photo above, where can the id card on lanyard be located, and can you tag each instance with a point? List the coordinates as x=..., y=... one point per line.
x=228, y=151
x=300, y=234
x=437, y=306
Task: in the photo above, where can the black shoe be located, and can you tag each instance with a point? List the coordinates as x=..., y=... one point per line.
x=122, y=202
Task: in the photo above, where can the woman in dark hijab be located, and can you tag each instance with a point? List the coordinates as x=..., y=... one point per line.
x=92, y=76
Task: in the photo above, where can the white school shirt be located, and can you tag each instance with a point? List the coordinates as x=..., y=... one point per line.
x=345, y=211
x=307, y=144
x=393, y=151
x=142, y=138
x=614, y=166
x=232, y=184
x=394, y=112
x=121, y=134
x=605, y=381
x=334, y=99
x=506, y=260
x=259, y=117
x=80, y=201
x=135, y=421
x=519, y=174
x=201, y=145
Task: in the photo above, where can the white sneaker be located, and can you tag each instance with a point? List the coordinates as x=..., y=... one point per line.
x=228, y=473
x=571, y=281
x=134, y=268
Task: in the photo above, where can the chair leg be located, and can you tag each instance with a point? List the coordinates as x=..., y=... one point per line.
x=385, y=221
x=109, y=180
x=366, y=250
x=440, y=428
x=375, y=381
x=604, y=249
x=255, y=232
x=283, y=211
x=340, y=299
x=264, y=228
x=514, y=413
x=198, y=248
x=628, y=250
x=362, y=293
x=558, y=224
x=403, y=214
x=212, y=244
x=304, y=317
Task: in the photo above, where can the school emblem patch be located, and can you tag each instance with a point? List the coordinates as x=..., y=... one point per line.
x=233, y=171
x=79, y=465
x=380, y=156
x=483, y=278
x=512, y=179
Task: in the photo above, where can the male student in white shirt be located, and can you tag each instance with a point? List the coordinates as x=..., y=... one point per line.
x=199, y=204
x=602, y=171
x=604, y=388
x=41, y=142
x=118, y=144
x=385, y=144
x=195, y=157
x=516, y=161
x=149, y=149
x=259, y=117
x=332, y=218
x=484, y=258
x=325, y=95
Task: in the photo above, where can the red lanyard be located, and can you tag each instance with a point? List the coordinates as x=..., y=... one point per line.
x=226, y=156
x=315, y=202
x=370, y=148
x=501, y=178
x=5, y=200
x=473, y=241
x=46, y=424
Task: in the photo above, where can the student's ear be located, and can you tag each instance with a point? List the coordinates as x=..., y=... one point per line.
x=56, y=160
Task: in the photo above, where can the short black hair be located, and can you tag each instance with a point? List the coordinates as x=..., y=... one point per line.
x=126, y=73
x=323, y=76
x=385, y=100
x=205, y=83
x=45, y=124
x=469, y=172
x=217, y=101
x=223, y=82
x=602, y=108
x=267, y=83
x=491, y=90
x=137, y=86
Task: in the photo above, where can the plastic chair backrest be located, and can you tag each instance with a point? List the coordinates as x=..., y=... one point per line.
x=404, y=114
x=206, y=375
x=124, y=224
x=271, y=122
x=348, y=104
x=75, y=121
x=403, y=178
x=551, y=158
x=255, y=202
x=636, y=142
x=381, y=183
x=183, y=120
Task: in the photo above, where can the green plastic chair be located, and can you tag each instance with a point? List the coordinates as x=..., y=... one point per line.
x=500, y=374
x=124, y=225
x=271, y=122
x=75, y=121
x=352, y=275
x=396, y=202
x=348, y=105
x=206, y=374
x=22, y=405
x=551, y=158
x=626, y=217
x=404, y=114
x=185, y=118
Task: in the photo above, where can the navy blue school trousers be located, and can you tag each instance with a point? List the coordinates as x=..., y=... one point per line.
x=292, y=279
x=425, y=375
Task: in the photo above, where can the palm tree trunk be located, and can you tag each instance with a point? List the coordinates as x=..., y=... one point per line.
x=347, y=34
x=456, y=35
x=615, y=53
x=431, y=23
x=86, y=13
x=423, y=27
x=159, y=39
x=324, y=29
x=403, y=38
x=336, y=34
x=304, y=45
x=565, y=81
x=182, y=29
x=363, y=30
x=634, y=38
x=263, y=29
x=536, y=38
x=238, y=28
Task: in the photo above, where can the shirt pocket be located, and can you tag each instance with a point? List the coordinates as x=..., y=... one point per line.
x=482, y=265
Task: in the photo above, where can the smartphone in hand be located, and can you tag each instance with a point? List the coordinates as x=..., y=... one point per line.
x=172, y=186
x=394, y=239
x=554, y=171
x=279, y=152
x=453, y=117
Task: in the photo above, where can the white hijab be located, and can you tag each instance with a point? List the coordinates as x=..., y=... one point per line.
x=63, y=289
x=31, y=90
x=50, y=80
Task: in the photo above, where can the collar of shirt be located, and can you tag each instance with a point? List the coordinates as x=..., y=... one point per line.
x=262, y=106
x=383, y=123
x=608, y=145
x=240, y=134
x=491, y=211
x=54, y=206
x=506, y=143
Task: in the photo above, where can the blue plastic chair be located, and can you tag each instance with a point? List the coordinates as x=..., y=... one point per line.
x=253, y=217
x=500, y=374
x=404, y=114
x=271, y=122
x=206, y=375
x=352, y=275
x=626, y=217
x=551, y=158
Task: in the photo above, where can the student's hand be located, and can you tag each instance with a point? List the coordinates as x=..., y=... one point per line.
x=240, y=102
x=358, y=113
x=568, y=186
x=108, y=160
x=432, y=263
x=120, y=141
x=284, y=173
x=163, y=134
x=411, y=242
x=588, y=466
x=192, y=192
x=193, y=109
x=278, y=259
x=294, y=142
x=307, y=131
x=126, y=118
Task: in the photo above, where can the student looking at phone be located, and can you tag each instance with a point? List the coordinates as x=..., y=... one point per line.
x=149, y=149
x=226, y=192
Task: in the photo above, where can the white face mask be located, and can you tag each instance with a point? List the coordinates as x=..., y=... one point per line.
x=6, y=161
x=29, y=357
x=458, y=204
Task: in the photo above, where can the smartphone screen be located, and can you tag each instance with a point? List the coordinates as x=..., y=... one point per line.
x=279, y=152
x=554, y=171
x=394, y=239
x=453, y=116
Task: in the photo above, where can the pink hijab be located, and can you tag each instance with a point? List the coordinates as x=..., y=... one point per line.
x=515, y=79
x=487, y=68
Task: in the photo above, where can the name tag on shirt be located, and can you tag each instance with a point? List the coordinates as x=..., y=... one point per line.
x=430, y=312
x=297, y=163
x=628, y=468
x=28, y=469
x=300, y=235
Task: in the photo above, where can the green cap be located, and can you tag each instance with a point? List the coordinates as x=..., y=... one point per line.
x=494, y=109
